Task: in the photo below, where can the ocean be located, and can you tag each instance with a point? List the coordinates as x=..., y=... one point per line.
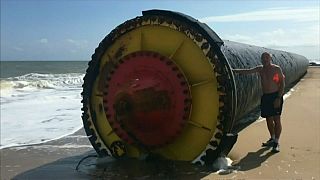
x=40, y=100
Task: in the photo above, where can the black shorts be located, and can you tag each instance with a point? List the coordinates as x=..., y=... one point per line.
x=267, y=107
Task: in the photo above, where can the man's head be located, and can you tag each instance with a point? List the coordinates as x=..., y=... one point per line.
x=266, y=59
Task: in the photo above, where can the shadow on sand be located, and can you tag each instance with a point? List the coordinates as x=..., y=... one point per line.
x=109, y=168
x=254, y=159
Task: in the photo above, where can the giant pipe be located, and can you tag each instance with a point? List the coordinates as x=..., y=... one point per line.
x=162, y=83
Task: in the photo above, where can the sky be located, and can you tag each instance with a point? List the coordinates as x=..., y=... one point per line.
x=71, y=29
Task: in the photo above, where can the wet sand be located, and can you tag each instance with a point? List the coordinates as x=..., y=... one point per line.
x=16, y=160
x=299, y=157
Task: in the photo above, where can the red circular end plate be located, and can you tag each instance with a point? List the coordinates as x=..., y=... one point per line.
x=146, y=99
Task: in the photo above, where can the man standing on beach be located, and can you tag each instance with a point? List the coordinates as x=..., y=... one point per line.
x=272, y=82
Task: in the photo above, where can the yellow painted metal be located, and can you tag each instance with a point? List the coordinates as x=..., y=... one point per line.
x=102, y=125
x=199, y=73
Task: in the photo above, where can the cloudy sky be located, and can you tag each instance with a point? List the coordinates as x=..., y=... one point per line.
x=71, y=30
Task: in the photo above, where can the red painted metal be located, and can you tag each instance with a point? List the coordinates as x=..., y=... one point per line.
x=147, y=99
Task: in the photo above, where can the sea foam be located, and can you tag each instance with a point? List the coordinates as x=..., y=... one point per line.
x=39, y=107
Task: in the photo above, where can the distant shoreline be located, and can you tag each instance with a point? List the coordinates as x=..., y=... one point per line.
x=314, y=63
x=311, y=62
x=45, y=60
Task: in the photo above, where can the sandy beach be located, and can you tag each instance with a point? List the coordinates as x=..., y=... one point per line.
x=299, y=157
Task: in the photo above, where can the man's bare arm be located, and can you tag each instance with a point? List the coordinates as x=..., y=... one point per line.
x=282, y=82
x=248, y=71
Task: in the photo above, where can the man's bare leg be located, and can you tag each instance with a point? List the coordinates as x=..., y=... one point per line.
x=277, y=127
x=271, y=126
